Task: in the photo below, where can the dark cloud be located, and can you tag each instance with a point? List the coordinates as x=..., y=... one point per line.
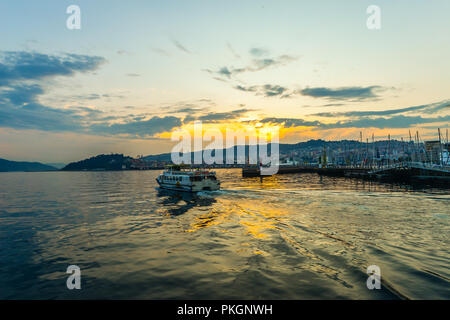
x=20, y=65
x=333, y=105
x=189, y=110
x=288, y=122
x=212, y=117
x=138, y=127
x=193, y=106
x=21, y=94
x=266, y=90
x=344, y=93
x=399, y=121
x=218, y=116
x=365, y=122
x=36, y=116
x=224, y=72
x=22, y=79
x=188, y=119
x=397, y=118
x=426, y=108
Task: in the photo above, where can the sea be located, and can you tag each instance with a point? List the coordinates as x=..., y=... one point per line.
x=293, y=236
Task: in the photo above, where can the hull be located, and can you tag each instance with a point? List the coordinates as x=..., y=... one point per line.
x=194, y=187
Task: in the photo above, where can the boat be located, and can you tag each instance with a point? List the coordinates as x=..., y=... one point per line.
x=184, y=178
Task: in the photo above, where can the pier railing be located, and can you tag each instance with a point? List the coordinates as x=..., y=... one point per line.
x=409, y=164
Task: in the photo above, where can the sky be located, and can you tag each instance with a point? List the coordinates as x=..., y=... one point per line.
x=137, y=71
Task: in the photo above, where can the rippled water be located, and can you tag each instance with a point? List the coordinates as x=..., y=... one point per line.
x=291, y=237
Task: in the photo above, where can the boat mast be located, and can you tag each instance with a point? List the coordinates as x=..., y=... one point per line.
x=389, y=149
x=373, y=150
x=440, y=147
x=409, y=147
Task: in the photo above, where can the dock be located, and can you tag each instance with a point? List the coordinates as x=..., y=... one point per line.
x=253, y=171
x=412, y=172
x=405, y=172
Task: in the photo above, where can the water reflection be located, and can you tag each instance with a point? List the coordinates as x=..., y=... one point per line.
x=178, y=203
x=290, y=237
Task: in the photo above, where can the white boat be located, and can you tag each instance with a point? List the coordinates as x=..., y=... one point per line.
x=182, y=178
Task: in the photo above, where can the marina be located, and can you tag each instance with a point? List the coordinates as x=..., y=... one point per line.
x=426, y=162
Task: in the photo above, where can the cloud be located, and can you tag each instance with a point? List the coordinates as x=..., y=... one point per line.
x=133, y=75
x=396, y=118
x=233, y=52
x=365, y=122
x=160, y=51
x=258, y=52
x=180, y=46
x=21, y=94
x=189, y=110
x=426, y=108
x=91, y=96
x=254, y=66
x=22, y=79
x=289, y=122
x=213, y=117
x=139, y=127
x=192, y=106
x=399, y=121
x=224, y=72
x=20, y=65
x=344, y=93
x=228, y=74
x=266, y=90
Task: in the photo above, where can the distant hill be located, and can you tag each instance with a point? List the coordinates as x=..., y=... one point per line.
x=283, y=148
x=6, y=166
x=101, y=162
x=308, y=146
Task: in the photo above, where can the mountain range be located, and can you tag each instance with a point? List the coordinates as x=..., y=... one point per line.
x=6, y=165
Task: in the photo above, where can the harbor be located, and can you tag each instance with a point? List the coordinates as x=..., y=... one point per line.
x=421, y=162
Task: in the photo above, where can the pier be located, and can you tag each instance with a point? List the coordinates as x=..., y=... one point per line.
x=412, y=172
x=253, y=171
x=405, y=172
x=425, y=162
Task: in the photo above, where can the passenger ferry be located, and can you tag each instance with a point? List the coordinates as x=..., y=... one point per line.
x=183, y=178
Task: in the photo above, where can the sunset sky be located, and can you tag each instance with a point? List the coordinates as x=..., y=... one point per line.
x=137, y=70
